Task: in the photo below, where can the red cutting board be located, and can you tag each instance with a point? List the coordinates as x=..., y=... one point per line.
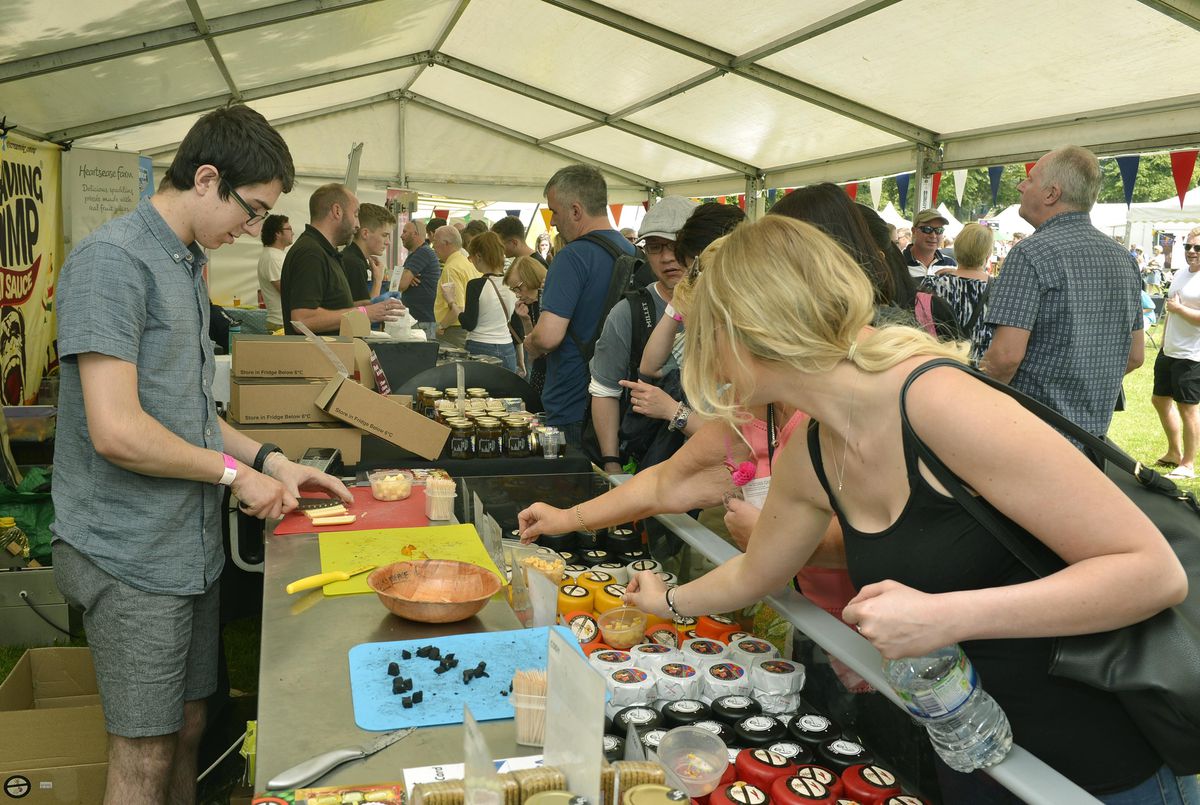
x=372, y=513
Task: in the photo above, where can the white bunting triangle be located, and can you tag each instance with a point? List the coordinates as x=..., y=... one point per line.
x=960, y=184
x=876, y=186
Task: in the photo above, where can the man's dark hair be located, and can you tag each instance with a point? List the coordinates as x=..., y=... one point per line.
x=434, y=223
x=272, y=227
x=509, y=226
x=706, y=223
x=581, y=183
x=238, y=142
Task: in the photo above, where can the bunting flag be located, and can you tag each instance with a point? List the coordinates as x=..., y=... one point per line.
x=697, y=200
x=902, y=180
x=960, y=185
x=1129, y=170
x=742, y=201
x=721, y=200
x=788, y=191
x=937, y=183
x=514, y=213
x=851, y=190
x=615, y=209
x=443, y=214
x=1182, y=165
x=876, y=187
x=547, y=214
x=646, y=206
x=771, y=193
x=1028, y=168
x=994, y=174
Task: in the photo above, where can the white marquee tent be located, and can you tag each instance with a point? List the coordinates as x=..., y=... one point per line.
x=484, y=99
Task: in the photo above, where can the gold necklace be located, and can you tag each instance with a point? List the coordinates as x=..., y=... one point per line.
x=841, y=471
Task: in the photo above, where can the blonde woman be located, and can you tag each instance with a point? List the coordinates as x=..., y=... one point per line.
x=525, y=279
x=490, y=305
x=964, y=287
x=782, y=314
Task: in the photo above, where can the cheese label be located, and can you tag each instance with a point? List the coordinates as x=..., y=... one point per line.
x=746, y=794
x=610, y=743
x=615, y=590
x=584, y=627
x=653, y=738
x=611, y=656
x=639, y=715
x=770, y=758
x=758, y=723
x=807, y=787
x=786, y=749
x=678, y=670
x=629, y=676
x=819, y=773
x=777, y=667
x=644, y=564
x=844, y=747
x=573, y=591
x=879, y=776
x=598, y=576
x=726, y=671
x=706, y=647
x=736, y=701
x=652, y=648
x=754, y=646
x=686, y=706
x=724, y=620
x=814, y=723
x=711, y=726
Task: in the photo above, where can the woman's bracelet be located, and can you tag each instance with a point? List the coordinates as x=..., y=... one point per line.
x=670, y=596
x=583, y=525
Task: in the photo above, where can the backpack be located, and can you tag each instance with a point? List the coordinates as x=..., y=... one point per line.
x=626, y=267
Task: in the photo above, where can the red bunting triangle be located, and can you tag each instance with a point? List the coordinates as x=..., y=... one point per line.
x=742, y=201
x=851, y=190
x=1028, y=168
x=443, y=214
x=646, y=206
x=937, y=183
x=615, y=209
x=1182, y=165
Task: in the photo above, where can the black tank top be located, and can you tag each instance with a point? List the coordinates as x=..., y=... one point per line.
x=936, y=546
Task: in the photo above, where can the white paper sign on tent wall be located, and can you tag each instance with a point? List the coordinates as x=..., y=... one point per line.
x=97, y=186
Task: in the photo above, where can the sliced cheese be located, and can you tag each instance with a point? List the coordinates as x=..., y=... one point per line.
x=326, y=511
x=344, y=519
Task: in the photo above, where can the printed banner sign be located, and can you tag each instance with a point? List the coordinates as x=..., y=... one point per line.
x=97, y=187
x=31, y=254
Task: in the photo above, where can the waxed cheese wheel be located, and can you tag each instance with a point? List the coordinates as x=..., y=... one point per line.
x=653, y=656
x=714, y=626
x=670, y=579
x=802, y=791
x=904, y=799
x=870, y=782
x=642, y=717
x=583, y=625
x=748, y=651
x=738, y=793
x=681, y=712
x=677, y=680
x=651, y=739
x=725, y=679
x=610, y=660
x=762, y=767
x=821, y=774
x=777, y=684
x=664, y=634
x=611, y=596
x=593, y=557
x=574, y=570
x=629, y=686
x=792, y=751
x=615, y=569
x=840, y=754
x=594, y=580
x=702, y=652
x=718, y=729
x=733, y=708
x=812, y=729
x=760, y=730
x=574, y=598
x=624, y=540
x=614, y=748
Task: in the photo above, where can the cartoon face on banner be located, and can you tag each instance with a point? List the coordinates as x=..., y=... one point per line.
x=30, y=242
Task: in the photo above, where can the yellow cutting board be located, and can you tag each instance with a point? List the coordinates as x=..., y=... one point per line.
x=344, y=550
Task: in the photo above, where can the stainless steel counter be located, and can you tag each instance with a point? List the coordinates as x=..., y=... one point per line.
x=304, y=705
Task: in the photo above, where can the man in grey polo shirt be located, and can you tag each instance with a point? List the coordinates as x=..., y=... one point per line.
x=141, y=455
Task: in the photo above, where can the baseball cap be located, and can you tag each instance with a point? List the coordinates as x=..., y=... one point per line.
x=925, y=216
x=666, y=217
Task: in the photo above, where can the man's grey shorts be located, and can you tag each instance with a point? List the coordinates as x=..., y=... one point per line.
x=152, y=652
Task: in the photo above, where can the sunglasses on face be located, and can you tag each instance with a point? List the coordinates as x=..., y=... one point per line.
x=929, y=230
x=1191, y=247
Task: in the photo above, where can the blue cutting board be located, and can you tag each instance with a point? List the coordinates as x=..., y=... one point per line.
x=377, y=708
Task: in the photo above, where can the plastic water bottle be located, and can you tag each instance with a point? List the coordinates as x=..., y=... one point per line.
x=942, y=691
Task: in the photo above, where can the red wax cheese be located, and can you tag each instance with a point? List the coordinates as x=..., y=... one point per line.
x=870, y=783
x=739, y=793
x=824, y=776
x=801, y=791
x=762, y=768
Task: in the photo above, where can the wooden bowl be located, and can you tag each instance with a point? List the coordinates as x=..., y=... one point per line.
x=434, y=590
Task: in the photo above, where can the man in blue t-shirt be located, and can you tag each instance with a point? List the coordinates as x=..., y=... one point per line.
x=573, y=298
x=418, y=283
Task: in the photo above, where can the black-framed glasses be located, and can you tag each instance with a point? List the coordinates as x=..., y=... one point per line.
x=1191, y=247
x=255, y=217
x=658, y=247
x=929, y=230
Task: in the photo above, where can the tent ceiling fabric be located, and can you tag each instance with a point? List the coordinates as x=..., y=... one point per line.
x=685, y=95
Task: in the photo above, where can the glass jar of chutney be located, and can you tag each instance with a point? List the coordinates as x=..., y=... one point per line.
x=489, y=434
x=431, y=399
x=462, y=438
x=516, y=437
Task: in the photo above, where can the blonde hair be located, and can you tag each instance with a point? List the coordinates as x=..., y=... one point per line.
x=1194, y=233
x=529, y=271
x=974, y=245
x=682, y=292
x=785, y=293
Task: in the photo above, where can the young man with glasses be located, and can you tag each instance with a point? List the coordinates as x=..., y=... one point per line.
x=141, y=457
x=923, y=255
x=314, y=289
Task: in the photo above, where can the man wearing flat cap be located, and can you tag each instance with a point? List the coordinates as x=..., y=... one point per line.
x=630, y=321
x=923, y=256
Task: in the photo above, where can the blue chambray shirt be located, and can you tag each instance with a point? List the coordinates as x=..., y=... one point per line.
x=132, y=290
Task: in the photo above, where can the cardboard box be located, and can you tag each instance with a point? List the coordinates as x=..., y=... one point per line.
x=355, y=324
x=387, y=419
x=257, y=400
x=293, y=440
x=52, y=739
x=20, y=625
x=286, y=356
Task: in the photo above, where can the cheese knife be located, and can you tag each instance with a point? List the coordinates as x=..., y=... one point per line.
x=317, y=767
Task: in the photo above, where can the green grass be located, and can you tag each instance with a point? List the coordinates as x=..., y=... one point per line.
x=1137, y=429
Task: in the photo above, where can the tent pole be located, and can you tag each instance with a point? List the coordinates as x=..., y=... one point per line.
x=401, y=170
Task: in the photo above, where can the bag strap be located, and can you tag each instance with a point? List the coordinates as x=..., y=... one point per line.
x=507, y=315
x=615, y=253
x=600, y=240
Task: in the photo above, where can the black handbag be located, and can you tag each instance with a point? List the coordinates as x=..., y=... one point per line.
x=1153, y=667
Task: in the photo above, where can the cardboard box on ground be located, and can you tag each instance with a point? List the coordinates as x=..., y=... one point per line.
x=53, y=746
x=275, y=410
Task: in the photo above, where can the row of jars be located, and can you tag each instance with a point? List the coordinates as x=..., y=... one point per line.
x=491, y=437
x=429, y=399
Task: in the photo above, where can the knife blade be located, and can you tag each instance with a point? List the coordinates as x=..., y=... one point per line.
x=317, y=767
